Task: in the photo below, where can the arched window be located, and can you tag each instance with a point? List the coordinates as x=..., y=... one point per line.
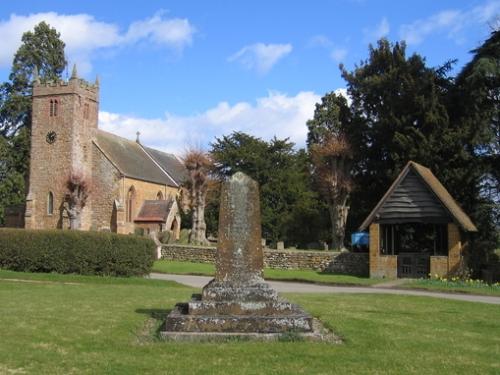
x=159, y=196
x=130, y=204
x=50, y=203
x=53, y=107
x=86, y=111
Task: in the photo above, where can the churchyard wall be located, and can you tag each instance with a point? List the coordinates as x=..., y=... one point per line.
x=335, y=262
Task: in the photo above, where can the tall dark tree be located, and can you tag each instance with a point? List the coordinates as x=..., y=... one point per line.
x=41, y=53
x=474, y=108
x=286, y=197
x=399, y=114
x=331, y=156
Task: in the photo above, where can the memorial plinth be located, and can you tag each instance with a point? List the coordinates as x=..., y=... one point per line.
x=238, y=301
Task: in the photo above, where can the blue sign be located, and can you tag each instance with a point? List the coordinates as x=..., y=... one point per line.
x=360, y=239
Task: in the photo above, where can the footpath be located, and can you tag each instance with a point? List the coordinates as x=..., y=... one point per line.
x=295, y=287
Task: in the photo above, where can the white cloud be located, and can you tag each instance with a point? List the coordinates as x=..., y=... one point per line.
x=261, y=57
x=452, y=22
x=320, y=41
x=337, y=53
x=381, y=30
x=275, y=114
x=84, y=35
x=174, y=32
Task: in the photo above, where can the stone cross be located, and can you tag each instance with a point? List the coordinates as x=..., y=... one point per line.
x=237, y=300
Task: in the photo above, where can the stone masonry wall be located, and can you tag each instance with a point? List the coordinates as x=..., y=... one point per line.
x=51, y=163
x=105, y=189
x=343, y=263
x=144, y=190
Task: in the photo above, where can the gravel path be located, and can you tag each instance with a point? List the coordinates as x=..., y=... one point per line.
x=294, y=287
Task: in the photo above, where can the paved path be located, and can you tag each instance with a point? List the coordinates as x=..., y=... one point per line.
x=294, y=287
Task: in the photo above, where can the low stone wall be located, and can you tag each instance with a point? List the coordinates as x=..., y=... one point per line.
x=184, y=253
x=355, y=264
x=342, y=263
x=298, y=259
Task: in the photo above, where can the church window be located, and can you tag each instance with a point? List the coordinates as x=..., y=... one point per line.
x=50, y=203
x=53, y=107
x=130, y=204
x=86, y=111
x=159, y=196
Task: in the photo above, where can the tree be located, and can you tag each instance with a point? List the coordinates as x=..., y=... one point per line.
x=331, y=155
x=286, y=198
x=198, y=165
x=41, y=50
x=474, y=112
x=399, y=113
x=78, y=192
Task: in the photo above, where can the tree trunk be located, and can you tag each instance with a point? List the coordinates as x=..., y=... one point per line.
x=74, y=218
x=199, y=228
x=338, y=217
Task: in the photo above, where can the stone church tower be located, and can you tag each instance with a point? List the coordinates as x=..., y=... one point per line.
x=64, y=123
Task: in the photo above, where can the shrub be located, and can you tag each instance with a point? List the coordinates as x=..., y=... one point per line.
x=166, y=237
x=84, y=253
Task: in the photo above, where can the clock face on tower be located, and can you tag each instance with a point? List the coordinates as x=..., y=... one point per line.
x=51, y=137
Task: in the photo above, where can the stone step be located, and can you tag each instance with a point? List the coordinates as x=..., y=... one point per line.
x=177, y=321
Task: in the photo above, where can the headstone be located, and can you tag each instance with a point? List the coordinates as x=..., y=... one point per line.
x=263, y=242
x=280, y=245
x=237, y=300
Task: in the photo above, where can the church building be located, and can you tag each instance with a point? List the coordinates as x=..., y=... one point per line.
x=131, y=186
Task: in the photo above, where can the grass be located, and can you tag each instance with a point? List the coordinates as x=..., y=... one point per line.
x=458, y=286
x=206, y=269
x=53, y=324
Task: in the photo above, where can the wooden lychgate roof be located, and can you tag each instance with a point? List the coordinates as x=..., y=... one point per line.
x=418, y=196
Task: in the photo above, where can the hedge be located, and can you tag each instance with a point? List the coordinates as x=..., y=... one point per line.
x=84, y=253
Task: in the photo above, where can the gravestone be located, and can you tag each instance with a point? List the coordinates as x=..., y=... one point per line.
x=238, y=301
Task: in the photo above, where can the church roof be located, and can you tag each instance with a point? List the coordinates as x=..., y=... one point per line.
x=132, y=160
x=417, y=195
x=154, y=211
x=170, y=163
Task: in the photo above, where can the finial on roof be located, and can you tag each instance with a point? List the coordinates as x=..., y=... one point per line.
x=74, y=73
x=36, y=77
x=137, y=139
x=97, y=80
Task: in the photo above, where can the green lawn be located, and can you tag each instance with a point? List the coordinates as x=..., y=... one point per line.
x=189, y=268
x=52, y=324
x=471, y=287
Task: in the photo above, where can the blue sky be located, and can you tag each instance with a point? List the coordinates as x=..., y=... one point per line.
x=184, y=72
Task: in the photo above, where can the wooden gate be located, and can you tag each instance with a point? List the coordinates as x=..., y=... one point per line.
x=413, y=265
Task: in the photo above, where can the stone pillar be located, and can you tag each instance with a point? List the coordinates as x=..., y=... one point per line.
x=239, y=253
x=238, y=300
x=454, y=248
x=374, y=249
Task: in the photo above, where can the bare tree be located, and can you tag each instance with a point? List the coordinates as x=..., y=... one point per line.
x=198, y=165
x=78, y=192
x=332, y=160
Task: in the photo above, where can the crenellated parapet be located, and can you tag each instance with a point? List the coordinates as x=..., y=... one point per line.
x=74, y=85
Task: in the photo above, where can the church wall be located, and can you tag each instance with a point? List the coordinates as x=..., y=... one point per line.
x=105, y=190
x=143, y=191
x=50, y=163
